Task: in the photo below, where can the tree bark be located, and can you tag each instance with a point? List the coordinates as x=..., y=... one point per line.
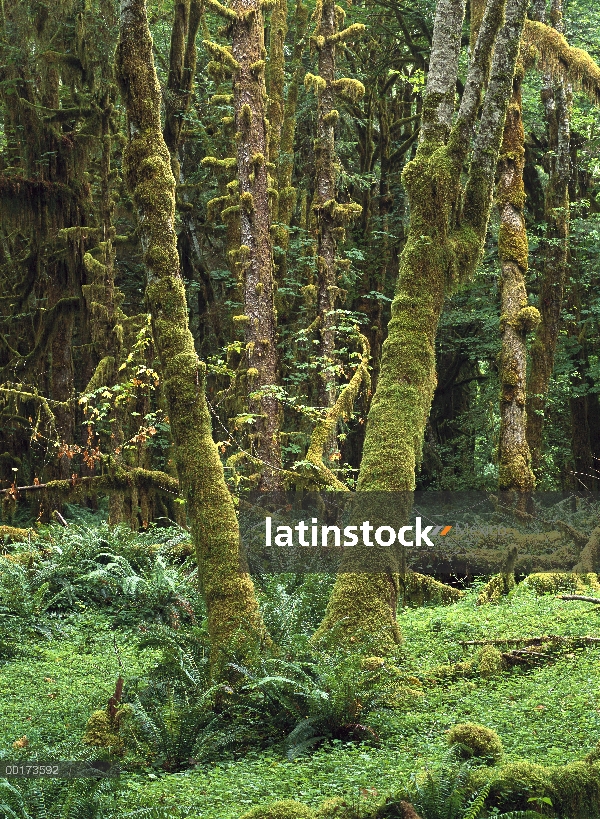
x=234, y=622
x=517, y=318
x=256, y=251
x=443, y=246
x=555, y=245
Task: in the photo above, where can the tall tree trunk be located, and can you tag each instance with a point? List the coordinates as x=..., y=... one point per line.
x=443, y=245
x=285, y=156
x=557, y=102
x=516, y=319
x=329, y=215
x=256, y=251
x=182, y=66
x=234, y=622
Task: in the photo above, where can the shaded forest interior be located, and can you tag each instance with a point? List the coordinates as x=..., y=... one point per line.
x=270, y=245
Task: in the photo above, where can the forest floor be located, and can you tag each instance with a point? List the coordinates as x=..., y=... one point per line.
x=67, y=663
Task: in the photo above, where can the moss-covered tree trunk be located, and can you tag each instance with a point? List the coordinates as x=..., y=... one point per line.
x=516, y=317
x=329, y=216
x=327, y=116
x=284, y=156
x=557, y=102
x=256, y=255
x=182, y=67
x=234, y=621
x=444, y=245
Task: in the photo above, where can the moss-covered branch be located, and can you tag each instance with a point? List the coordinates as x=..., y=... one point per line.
x=557, y=57
x=114, y=480
x=341, y=409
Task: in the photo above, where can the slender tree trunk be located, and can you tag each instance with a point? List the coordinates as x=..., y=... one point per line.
x=557, y=102
x=256, y=252
x=285, y=166
x=330, y=216
x=517, y=319
x=182, y=66
x=327, y=116
x=234, y=622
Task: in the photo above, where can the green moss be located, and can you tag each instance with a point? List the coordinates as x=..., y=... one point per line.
x=349, y=89
x=573, y=789
x=16, y=535
x=247, y=201
x=359, y=616
x=314, y=83
x=421, y=589
x=222, y=54
x=286, y=809
x=490, y=661
x=496, y=588
x=559, y=58
x=230, y=213
x=350, y=33
x=103, y=732
x=336, y=808
x=229, y=163
x=553, y=582
x=478, y=741
x=513, y=244
x=527, y=319
x=221, y=99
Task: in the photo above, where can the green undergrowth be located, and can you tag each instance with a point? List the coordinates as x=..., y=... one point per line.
x=546, y=712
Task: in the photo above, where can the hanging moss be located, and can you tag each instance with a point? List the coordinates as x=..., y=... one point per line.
x=314, y=83
x=229, y=163
x=222, y=54
x=347, y=34
x=224, y=11
x=349, y=89
x=558, y=58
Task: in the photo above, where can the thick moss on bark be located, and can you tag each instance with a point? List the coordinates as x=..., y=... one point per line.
x=443, y=247
x=556, y=98
x=517, y=319
x=234, y=622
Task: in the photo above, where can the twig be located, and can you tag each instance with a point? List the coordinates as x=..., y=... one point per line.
x=582, y=597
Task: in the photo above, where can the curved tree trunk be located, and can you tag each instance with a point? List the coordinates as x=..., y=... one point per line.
x=443, y=246
x=234, y=621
